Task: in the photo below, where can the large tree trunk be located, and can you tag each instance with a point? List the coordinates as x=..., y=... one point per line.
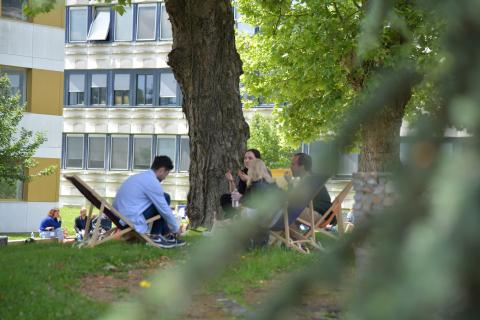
x=381, y=138
x=207, y=66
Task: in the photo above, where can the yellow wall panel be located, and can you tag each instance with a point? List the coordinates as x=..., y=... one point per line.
x=45, y=93
x=54, y=18
x=45, y=188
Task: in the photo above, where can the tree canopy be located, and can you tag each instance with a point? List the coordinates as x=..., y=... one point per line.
x=307, y=58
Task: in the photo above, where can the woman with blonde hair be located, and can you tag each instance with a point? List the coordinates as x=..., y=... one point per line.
x=259, y=180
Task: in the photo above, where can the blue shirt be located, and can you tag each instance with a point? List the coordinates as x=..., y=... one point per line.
x=50, y=222
x=139, y=192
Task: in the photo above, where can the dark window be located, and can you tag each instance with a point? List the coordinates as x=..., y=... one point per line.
x=98, y=89
x=184, y=154
x=74, y=151
x=144, y=89
x=76, y=89
x=121, y=89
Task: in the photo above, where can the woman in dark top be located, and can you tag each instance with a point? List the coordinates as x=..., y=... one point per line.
x=240, y=185
x=259, y=181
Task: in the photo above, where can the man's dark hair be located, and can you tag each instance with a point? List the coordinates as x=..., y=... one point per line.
x=162, y=162
x=255, y=152
x=304, y=160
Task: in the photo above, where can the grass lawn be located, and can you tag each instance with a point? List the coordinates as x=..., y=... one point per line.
x=42, y=281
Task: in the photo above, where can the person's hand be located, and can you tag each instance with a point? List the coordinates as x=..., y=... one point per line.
x=236, y=195
x=229, y=176
x=287, y=176
x=182, y=230
x=243, y=176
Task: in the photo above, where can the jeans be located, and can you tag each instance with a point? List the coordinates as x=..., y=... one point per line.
x=57, y=233
x=159, y=226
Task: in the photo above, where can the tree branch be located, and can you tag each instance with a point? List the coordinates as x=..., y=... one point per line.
x=338, y=12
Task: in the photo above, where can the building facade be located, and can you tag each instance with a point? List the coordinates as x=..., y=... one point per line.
x=122, y=103
x=31, y=55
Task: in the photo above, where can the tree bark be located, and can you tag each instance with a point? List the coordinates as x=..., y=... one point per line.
x=207, y=66
x=381, y=139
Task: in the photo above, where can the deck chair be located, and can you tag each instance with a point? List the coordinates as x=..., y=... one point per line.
x=124, y=231
x=335, y=210
x=299, y=199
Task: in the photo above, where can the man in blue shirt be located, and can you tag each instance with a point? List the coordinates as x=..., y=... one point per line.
x=141, y=197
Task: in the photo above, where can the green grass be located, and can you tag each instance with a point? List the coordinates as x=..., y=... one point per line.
x=41, y=281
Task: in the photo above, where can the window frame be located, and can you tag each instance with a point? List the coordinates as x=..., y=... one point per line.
x=141, y=5
x=176, y=104
x=130, y=94
x=145, y=72
x=89, y=86
x=169, y=136
x=91, y=21
x=22, y=80
x=67, y=91
x=182, y=137
x=132, y=33
x=87, y=162
x=77, y=135
x=129, y=150
x=133, y=150
x=69, y=25
x=163, y=11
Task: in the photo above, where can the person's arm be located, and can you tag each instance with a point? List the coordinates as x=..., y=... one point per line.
x=77, y=225
x=156, y=195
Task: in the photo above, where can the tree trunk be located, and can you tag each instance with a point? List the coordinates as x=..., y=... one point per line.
x=381, y=138
x=207, y=66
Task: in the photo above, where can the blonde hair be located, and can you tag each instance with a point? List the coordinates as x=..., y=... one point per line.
x=258, y=171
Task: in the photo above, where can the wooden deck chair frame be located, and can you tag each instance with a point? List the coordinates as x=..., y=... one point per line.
x=335, y=210
x=126, y=232
x=301, y=243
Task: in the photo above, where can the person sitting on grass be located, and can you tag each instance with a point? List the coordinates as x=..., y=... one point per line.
x=141, y=197
x=81, y=224
x=50, y=227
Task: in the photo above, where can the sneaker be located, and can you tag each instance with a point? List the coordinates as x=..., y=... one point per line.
x=162, y=243
x=180, y=243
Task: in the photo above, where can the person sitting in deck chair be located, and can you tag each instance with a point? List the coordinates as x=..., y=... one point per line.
x=301, y=167
x=141, y=197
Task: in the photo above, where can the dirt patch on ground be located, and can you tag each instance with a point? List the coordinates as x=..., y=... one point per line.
x=317, y=304
x=117, y=285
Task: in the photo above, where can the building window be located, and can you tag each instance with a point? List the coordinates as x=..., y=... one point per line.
x=146, y=22
x=96, y=151
x=184, y=154
x=168, y=89
x=124, y=25
x=76, y=89
x=142, y=152
x=98, y=89
x=121, y=89
x=119, y=151
x=11, y=191
x=17, y=83
x=100, y=25
x=144, y=89
x=78, y=24
x=167, y=146
x=13, y=9
x=74, y=151
x=165, y=25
